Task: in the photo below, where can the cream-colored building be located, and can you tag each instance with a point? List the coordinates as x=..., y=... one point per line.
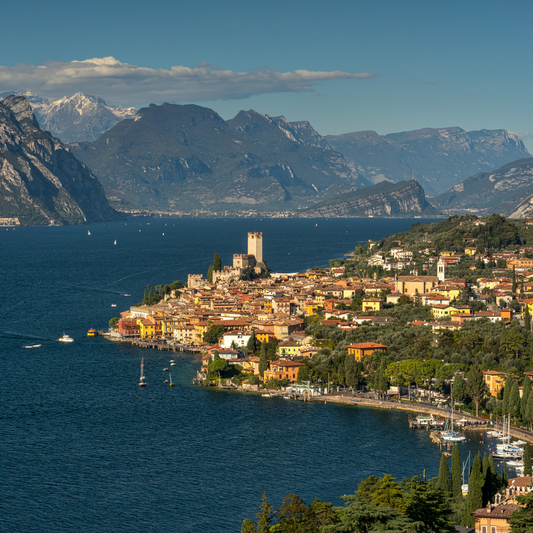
x=412, y=285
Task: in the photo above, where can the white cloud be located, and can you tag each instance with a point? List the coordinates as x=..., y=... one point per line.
x=111, y=79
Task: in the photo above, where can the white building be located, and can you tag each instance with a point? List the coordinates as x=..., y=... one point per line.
x=240, y=338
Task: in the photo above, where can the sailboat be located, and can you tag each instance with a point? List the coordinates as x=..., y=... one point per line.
x=142, y=380
x=88, y=233
x=115, y=242
x=449, y=435
x=170, y=376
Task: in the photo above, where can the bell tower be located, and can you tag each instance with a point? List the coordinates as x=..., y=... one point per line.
x=441, y=266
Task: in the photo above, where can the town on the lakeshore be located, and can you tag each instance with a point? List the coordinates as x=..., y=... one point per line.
x=438, y=315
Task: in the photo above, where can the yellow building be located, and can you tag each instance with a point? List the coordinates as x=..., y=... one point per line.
x=372, y=304
x=412, y=285
x=494, y=380
x=147, y=327
x=451, y=292
x=262, y=336
x=470, y=251
x=311, y=308
x=361, y=349
x=444, y=311
x=288, y=349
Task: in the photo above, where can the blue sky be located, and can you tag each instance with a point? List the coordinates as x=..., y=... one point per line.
x=418, y=63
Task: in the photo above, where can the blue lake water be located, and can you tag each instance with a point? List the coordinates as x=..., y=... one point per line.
x=83, y=448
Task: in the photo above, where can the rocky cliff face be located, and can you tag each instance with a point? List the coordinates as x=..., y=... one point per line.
x=501, y=191
x=76, y=118
x=437, y=157
x=40, y=179
x=383, y=199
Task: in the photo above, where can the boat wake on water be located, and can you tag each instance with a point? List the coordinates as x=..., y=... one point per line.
x=20, y=336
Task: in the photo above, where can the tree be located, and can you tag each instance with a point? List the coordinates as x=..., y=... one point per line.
x=475, y=385
x=251, y=343
x=210, y=274
x=506, y=393
x=290, y=513
x=113, y=322
x=526, y=391
x=459, y=389
x=263, y=361
x=529, y=411
x=264, y=516
x=351, y=371
x=474, y=499
x=527, y=320
x=248, y=526
x=514, y=401
x=217, y=365
x=522, y=519
x=456, y=473
x=427, y=505
x=443, y=482
x=217, y=263
x=388, y=493
x=213, y=334
x=527, y=461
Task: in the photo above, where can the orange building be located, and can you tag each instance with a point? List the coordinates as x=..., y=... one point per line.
x=361, y=349
x=282, y=369
x=494, y=380
x=494, y=518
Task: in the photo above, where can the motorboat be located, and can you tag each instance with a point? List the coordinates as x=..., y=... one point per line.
x=33, y=346
x=92, y=333
x=66, y=338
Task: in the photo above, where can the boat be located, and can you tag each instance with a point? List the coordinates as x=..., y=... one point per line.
x=92, y=333
x=142, y=379
x=172, y=364
x=66, y=338
x=115, y=242
x=165, y=369
x=449, y=435
x=170, y=376
x=88, y=233
x=113, y=305
x=265, y=395
x=33, y=346
x=515, y=463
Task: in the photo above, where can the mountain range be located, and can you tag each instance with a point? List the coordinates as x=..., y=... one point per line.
x=182, y=157
x=75, y=118
x=437, y=157
x=40, y=180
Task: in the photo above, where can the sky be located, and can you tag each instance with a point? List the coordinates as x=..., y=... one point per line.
x=382, y=65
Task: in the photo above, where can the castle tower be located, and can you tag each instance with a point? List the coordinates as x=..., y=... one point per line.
x=441, y=265
x=255, y=245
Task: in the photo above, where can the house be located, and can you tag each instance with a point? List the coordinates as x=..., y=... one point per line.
x=372, y=304
x=494, y=518
x=226, y=353
x=442, y=311
x=237, y=338
x=362, y=349
x=494, y=380
x=282, y=369
x=128, y=327
x=288, y=349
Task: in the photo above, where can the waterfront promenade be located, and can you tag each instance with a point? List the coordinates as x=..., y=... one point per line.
x=348, y=398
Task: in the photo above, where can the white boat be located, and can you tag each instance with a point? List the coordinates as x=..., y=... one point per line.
x=115, y=242
x=449, y=435
x=32, y=346
x=172, y=364
x=516, y=463
x=66, y=338
x=88, y=233
x=142, y=379
x=495, y=433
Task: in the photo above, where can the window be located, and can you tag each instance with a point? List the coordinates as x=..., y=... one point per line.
x=493, y=529
x=484, y=529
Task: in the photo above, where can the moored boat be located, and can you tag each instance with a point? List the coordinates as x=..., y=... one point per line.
x=92, y=333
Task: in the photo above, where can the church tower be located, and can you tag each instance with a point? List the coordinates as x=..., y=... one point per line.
x=255, y=245
x=441, y=265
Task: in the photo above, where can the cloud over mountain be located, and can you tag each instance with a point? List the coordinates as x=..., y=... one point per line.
x=122, y=82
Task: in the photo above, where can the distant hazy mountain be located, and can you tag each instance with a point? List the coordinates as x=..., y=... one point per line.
x=40, y=179
x=438, y=158
x=186, y=156
x=505, y=191
x=382, y=199
x=77, y=118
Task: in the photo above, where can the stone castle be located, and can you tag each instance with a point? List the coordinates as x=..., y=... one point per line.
x=243, y=264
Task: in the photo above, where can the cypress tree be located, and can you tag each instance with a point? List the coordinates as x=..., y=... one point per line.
x=527, y=461
x=351, y=373
x=487, y=480
x=217, y=263
x=505, y=479
x=251, y=343
x=456, y=472
x=514, y=401
x=475, y=484
x=248, y=526
x=526, y=391
x=513, y=286
x=527, y=319
x=443, y=482
x=264, y=516
x=210, y=273
x=263, y=361
x=529, y=411
x=506, y=393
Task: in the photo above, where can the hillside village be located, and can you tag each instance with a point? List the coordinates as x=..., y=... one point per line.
x=416, y=310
